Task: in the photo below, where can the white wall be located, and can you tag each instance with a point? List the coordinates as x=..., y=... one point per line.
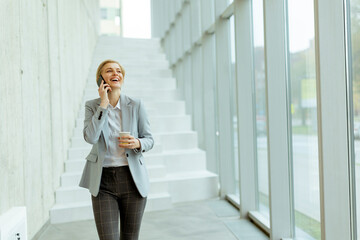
x=46, y=50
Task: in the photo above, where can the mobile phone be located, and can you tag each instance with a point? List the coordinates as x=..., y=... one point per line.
x=99, y=82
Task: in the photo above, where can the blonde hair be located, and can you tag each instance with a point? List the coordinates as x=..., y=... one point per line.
x=101, y=66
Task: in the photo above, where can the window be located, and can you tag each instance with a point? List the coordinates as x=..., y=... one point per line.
x=303, y=109
x=260, y=96
x=103, y=13
x=355, y=68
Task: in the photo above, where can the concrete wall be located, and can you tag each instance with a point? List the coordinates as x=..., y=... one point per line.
x=46, y=50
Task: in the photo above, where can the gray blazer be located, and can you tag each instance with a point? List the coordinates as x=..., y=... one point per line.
x=96, y=132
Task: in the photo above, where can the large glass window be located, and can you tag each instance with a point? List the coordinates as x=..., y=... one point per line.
x=304, y=119
x=260, y=108
x=103, y=13
x=355, y=60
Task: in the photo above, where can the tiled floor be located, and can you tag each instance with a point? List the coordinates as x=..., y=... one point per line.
x=210, y=220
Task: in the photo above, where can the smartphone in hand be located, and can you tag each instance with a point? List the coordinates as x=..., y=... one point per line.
x=99, y=82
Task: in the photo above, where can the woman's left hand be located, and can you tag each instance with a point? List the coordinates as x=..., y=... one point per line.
x=129, y=142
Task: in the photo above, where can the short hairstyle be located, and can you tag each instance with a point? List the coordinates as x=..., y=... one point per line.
x=101, y=66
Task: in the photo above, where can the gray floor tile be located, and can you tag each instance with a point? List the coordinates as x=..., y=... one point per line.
x=223, y=208
x=203, y=220
x=245, y=230
x=71, y=231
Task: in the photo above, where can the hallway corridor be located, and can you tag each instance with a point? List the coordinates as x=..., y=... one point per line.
x=252, y=101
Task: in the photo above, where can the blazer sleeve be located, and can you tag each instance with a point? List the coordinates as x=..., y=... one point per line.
x=144, y=134
x=93, y=123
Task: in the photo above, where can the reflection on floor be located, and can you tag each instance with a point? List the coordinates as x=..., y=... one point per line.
x=210, y=220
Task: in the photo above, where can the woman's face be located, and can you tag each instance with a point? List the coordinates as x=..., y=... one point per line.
x=112, y=75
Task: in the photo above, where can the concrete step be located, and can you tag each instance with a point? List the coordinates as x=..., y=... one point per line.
x=192, y=160
x=79, y=152
x=77, y=165
x=158, y=124
x=165, y=73
x=147, y=72
x=78, y=211
x=147, y=96
x=71, y=212
x=192, y=186
x=72, y=179
x=169, y=141
x=126, y=59
x=140, y=93
x=147, y=61
x=122, y=40
x=143, y=55
x=73, y=193
x=177, y=140
x=102, y=48
x=163, y=108
x=130, y=76
x=145, y=65
x=143, y=83
x=78, y=143
x=179, y=123
x=124, y=45
x=127, y=47
x=154, y=95
x=159, y=164
x=177, y=184
x=119, y=55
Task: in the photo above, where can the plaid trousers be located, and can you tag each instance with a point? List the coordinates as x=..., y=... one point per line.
x=118, y=195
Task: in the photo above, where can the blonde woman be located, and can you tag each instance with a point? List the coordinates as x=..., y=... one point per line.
x=115, y=171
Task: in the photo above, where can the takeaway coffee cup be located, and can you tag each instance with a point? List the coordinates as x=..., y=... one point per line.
x=123, y=134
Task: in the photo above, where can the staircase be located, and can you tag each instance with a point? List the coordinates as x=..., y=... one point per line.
x=177, y=168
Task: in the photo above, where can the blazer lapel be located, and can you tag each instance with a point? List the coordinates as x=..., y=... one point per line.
x=126, y=113
x=105, y=130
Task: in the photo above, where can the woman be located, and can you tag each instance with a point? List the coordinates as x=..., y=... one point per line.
x=115, y=171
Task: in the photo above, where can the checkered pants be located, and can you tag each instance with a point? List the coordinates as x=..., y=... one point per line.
x=118, y=195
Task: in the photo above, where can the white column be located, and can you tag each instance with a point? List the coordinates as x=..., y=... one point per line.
x=246, y=106
x=332, y=118
x=223, y=74
x=198, y=92
x=278, y=120
x=210, y=99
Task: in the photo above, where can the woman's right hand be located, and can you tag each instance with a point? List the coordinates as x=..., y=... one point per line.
x=103, y=89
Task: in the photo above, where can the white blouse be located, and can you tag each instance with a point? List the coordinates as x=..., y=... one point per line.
x=115, y=155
